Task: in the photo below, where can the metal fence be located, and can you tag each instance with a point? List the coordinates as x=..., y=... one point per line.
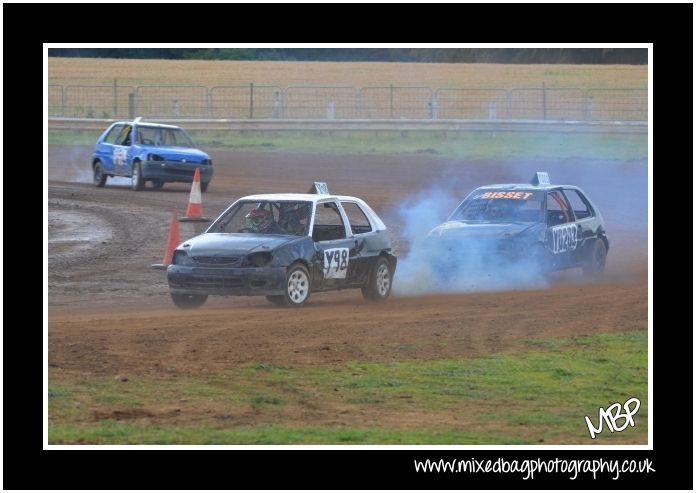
x=250, y=101
x=397, y=102
x=322, y=102
x=96, y=101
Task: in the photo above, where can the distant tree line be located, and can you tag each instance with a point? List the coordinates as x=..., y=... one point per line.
x=635, y=56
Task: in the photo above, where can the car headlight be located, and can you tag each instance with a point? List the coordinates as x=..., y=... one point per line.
x=259, y=259
x=181, y=258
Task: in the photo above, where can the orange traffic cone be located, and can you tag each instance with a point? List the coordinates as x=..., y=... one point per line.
x=172, y=242
x=194, y=211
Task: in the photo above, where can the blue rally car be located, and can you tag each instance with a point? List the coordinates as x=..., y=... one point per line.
x=149, y=152
x=547, y=227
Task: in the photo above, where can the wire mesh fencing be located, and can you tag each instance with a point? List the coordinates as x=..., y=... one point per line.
x=258, y=101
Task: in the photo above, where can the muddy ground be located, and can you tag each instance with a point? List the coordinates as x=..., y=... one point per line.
x=110, y=314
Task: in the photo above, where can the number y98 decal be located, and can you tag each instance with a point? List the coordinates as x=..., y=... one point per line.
x=335, y=263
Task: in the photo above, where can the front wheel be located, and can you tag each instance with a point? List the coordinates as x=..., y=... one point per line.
x=137, y=181
x=157, y=184
x=298, y=286
x=188, y=301
x=99, y=176
x=379, y=282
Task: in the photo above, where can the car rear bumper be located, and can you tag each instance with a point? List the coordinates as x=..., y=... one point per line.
x=226, y=281
x=175, y=171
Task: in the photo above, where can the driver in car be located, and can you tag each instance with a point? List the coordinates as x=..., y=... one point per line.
x=261, y=221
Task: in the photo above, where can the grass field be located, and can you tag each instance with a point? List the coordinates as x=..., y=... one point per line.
x=465, y=145
x=538, y=396
x=103, y=71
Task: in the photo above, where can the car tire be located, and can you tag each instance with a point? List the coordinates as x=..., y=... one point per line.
x=278, y=300
x=188, y=301
x=157, y=184
x=99, y=176
x=379, y=282
x=596, y=260
x=204, y=186
x=137, y=181
x=298, y=286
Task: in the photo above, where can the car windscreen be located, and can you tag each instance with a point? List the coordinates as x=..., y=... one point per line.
x=160, y=136
x=265, y=217
x=501, y=206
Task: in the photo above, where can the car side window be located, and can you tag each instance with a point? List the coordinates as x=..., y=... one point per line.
x=328, y=223
x=557, y=209
x=579, y=203
x=356, y=217
x=124, y=137
x=111, y=137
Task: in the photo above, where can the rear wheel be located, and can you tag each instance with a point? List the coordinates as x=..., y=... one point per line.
x=157, y=184
x=596, y=260
x=137, y=181
x=379, y=282
x=187, y=301
x=204, y=186
x=99, y=176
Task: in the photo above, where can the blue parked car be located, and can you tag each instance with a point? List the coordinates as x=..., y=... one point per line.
x=149, y=152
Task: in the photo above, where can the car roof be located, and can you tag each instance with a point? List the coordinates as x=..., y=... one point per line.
x=148, y=124
x=524, y=186
x=304, y=197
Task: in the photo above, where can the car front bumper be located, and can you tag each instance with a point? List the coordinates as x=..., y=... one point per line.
x=243, y=281
x=169, y=171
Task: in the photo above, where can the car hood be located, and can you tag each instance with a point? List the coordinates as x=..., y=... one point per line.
x=463, y=229
x=211, y=244
x=177, y=153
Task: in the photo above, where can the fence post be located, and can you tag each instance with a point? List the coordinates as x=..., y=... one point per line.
x=543, y=97
x=589, y=107
x=131, y=105
x=432, y=107
x=492, y=111
x=276, y=104
x=391, y=100
x=62, y=101
x=251, y=101
x=115, y=98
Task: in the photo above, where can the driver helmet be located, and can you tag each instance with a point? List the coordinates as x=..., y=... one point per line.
x=499, y=208
x=258, y=219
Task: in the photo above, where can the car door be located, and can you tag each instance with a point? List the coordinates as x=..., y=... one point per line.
x=332, y=262
x=562, y=229
x=121, y=152
x=361, y=256
x=585, y=220
x=104, y=150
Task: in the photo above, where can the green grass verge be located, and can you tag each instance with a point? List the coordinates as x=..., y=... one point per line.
x=464, y=145
x=115, y=432
x=535, y=396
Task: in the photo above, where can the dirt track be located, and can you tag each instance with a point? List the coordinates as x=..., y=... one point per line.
x=109, y=313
